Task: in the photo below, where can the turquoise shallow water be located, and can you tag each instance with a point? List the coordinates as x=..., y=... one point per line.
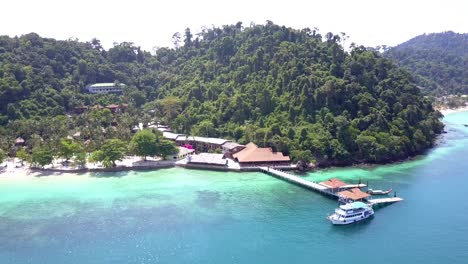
x=191, y=216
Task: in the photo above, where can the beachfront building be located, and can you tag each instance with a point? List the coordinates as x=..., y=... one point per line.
x=207, y=160
x=171, y=136
x=231, y=148
x=252, y=156
x=162, y=128
x=181, y=154
x=105, y=88
x=201, y=144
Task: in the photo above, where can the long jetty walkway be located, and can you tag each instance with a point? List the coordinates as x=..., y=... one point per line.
x=323, y=189
x=299, y=181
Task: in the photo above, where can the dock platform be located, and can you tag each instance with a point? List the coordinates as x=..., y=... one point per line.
x=384, y=201
x=351, y=186
x=323, y=189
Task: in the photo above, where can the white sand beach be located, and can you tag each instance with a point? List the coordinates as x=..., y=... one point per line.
x=446, y=111
x=12, y=167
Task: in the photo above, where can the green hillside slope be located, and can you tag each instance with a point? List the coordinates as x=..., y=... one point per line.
x=439, y=61
x=292, y=90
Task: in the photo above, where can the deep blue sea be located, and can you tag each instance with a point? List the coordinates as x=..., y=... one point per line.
x=193, y=216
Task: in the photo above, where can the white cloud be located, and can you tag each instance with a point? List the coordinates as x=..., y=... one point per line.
x=152, y=23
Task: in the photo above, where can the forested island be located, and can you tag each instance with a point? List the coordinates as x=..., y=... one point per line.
x=296, y=91
x=438, y=62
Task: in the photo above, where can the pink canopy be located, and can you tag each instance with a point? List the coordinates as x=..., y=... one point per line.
x=188, y=146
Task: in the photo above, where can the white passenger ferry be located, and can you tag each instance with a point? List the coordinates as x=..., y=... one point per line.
x=350, y=213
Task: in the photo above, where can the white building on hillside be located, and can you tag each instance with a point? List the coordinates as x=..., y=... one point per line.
x=104, y=88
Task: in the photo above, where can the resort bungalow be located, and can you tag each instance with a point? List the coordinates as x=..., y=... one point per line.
x=105, y=88
x=252, y=155
x=201, y=144
x=115, y=108
x=97, y=107
x=80, y=109
x=77, y=135
x=19, y=141
x=354, y=194
x=163, y=128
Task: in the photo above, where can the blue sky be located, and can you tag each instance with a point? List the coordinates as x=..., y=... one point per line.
x=152, y=23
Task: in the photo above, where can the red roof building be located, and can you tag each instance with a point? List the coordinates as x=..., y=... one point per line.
x=252, y=155
x=354, y=194
x=333, y=183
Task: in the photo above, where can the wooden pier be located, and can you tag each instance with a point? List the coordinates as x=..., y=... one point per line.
x=384, y=201
x=323, y=189
x=351, y=186
x=299, y=181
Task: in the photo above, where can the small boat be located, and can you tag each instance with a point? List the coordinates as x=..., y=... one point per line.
x=350, y=213
x=378, y=192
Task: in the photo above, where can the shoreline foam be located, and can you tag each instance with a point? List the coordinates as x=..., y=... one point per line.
x=11, y=169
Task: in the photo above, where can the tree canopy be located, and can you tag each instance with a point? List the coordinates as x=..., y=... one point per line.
x=111, y=151
x=22, y=155
x=292, y=90
x=68, y=148
x=41, y=157
x=438, y=61
x=3, y=156
x=144, y=143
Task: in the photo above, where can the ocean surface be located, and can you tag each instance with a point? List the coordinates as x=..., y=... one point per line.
x=193, y=216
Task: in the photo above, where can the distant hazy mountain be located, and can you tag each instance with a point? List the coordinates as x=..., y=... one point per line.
x=439, y=61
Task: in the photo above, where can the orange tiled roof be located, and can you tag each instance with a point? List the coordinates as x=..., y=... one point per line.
x=252, y=153
x=354, y=194
x=333, y=183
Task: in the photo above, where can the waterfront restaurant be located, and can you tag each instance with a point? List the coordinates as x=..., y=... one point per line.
x=252, y=155
x=354, y=194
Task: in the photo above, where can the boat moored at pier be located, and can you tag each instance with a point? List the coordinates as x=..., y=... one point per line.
x=378, y=192
x=350, y=213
